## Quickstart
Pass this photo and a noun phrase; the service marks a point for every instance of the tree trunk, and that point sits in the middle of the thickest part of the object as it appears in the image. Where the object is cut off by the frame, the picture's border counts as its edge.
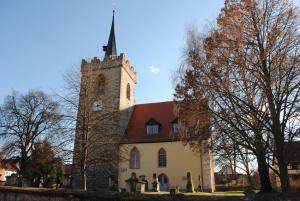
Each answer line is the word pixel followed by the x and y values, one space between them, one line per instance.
pixel 281 160
pixel 22 171
pixel 83 178
pixel 250 180
pixel 22 167
pixel 264 176
pixel 23 163
pixel 279 139
pixel 84 181
pixel 284 177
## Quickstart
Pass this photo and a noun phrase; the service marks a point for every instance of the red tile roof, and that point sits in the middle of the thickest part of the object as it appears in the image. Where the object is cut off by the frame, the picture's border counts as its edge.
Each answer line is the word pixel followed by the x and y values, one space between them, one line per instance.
pixel 163 113
pixel 8 165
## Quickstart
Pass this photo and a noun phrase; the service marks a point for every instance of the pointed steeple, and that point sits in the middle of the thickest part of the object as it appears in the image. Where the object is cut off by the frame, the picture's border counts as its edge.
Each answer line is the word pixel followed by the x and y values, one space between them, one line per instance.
pixel 111 49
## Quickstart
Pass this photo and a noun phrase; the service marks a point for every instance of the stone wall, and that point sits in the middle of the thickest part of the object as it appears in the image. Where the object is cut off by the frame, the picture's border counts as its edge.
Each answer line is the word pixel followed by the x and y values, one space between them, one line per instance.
pixel 35 194
pixel 208 166
pixel 104 82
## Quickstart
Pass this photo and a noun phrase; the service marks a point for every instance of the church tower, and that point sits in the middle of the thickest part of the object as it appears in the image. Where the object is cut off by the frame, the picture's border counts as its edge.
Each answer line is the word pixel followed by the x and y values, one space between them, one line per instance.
pixel 107 97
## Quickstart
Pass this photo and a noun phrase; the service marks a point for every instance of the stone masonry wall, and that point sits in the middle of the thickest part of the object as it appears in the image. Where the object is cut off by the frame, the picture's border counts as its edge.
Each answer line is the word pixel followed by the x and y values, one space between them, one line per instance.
pixel 208 166
pixel 107 125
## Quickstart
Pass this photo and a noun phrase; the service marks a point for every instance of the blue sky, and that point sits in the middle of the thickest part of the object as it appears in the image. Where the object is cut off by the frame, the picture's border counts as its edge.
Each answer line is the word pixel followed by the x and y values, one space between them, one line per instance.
pixel 42 39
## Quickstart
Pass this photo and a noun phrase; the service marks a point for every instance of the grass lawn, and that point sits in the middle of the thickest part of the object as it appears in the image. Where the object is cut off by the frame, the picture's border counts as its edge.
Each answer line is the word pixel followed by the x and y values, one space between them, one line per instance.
pixel 25 188
pixel 225 193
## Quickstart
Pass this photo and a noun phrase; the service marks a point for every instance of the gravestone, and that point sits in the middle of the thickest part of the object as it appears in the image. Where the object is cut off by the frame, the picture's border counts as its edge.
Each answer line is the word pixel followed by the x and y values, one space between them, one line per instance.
pixel 189 184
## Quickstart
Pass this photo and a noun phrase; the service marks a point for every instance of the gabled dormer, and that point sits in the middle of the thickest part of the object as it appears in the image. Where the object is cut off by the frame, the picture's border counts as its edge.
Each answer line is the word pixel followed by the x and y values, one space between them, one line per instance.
pixel 152 127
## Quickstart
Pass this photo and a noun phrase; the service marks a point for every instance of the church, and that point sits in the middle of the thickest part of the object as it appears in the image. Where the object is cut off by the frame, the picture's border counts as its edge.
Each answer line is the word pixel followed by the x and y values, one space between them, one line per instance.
pixel 118 141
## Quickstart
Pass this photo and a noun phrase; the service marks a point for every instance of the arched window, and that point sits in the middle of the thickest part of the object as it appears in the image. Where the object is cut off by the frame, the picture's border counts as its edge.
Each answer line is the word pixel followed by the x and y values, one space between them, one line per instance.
pixel 134 158
pixel 128 91
pixel 162 158
pixel 101 84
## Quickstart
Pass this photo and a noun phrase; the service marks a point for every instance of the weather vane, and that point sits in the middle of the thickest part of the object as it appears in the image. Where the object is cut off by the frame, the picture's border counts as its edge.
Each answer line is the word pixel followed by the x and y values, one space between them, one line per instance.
pixel 114 4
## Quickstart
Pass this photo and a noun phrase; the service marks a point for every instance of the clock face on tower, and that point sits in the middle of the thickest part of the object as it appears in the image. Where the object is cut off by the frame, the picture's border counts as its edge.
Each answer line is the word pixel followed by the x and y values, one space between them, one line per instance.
pixel 97 106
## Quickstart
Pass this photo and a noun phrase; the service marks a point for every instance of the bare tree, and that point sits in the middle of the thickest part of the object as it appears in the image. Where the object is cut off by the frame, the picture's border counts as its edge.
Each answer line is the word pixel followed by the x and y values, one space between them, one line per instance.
pixel 265 42
pixel 26 119
pixel 95 146
pixel 226 111
pixel 248 71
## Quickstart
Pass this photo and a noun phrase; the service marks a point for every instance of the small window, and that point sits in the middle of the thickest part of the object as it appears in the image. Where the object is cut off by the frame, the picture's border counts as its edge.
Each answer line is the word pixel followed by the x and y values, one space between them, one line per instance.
pixel 175 126
pixel 128 91
pixel 101 84
pixel 162 158
pixel 152 127
pixel 134 158
pixel 295 166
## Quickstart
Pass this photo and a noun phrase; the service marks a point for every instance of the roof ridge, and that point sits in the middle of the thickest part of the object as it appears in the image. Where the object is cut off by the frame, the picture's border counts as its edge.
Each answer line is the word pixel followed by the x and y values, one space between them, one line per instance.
pixel 155 103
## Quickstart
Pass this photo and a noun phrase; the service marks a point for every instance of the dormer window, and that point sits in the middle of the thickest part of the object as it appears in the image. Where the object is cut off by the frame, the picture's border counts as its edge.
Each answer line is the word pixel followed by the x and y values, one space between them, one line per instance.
pixel 175 126
pixel 152 127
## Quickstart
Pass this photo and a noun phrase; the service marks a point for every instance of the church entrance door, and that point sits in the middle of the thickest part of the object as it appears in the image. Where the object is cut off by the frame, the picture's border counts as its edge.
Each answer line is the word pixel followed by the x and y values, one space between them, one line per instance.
pixel 163 182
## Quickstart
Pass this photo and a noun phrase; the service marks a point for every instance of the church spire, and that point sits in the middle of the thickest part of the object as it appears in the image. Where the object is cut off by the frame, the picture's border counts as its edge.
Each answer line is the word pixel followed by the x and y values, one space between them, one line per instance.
pixel 110 49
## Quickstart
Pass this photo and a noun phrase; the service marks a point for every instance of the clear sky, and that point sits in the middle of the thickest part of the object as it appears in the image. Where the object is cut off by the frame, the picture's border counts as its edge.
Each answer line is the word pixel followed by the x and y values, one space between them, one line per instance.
pixel 41 39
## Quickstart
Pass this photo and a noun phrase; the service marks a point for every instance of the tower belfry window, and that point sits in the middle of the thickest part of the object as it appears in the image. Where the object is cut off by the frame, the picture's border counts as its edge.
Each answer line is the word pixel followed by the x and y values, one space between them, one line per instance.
pixel 101 84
